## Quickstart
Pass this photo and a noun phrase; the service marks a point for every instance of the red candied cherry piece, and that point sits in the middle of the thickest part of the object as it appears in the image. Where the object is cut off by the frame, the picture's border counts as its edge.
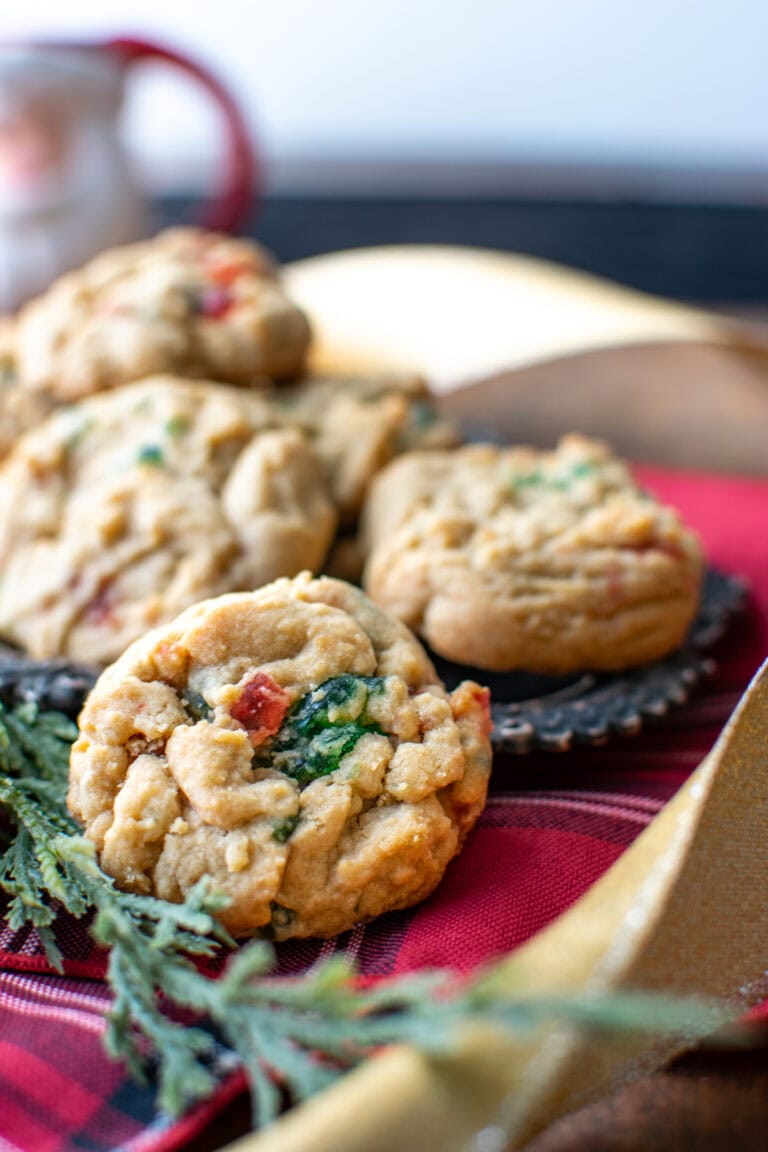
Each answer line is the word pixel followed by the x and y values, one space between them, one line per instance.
pixel 101 609
pixel 227 273
pixel 260 708
pixel 214 303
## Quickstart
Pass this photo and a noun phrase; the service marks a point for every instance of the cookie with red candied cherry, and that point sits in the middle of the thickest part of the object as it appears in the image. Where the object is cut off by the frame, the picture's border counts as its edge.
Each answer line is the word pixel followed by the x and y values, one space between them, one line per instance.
pixel 295 745
pixel 118 512
pixel 510 558
pixel 196 304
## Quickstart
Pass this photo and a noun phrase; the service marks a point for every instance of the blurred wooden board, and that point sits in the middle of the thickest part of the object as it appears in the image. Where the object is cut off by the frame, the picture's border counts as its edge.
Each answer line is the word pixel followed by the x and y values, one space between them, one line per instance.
pixel 526 350
pixel 698 406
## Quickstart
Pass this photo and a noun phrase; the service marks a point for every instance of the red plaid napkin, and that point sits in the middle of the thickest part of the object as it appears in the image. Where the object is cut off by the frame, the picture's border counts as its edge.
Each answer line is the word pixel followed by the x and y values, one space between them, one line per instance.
pixel 552 826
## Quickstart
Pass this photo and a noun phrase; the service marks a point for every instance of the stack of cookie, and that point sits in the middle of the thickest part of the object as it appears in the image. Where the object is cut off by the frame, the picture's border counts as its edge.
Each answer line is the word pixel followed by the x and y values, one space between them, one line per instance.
pixel 171 480
pixel 162 444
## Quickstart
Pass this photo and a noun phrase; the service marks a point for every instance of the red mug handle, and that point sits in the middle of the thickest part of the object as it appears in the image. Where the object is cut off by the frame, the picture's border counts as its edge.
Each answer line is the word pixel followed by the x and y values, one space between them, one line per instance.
pixel 232 204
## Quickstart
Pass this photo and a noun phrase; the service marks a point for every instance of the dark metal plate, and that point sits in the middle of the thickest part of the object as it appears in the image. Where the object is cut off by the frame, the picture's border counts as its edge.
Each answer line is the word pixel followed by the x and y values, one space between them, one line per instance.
pixel 547 712
pixel 528 711
pixel 53 684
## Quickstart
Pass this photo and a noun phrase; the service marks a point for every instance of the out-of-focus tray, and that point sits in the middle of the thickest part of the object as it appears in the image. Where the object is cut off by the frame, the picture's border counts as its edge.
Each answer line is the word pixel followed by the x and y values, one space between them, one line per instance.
pixel 547 712
pixel 528 711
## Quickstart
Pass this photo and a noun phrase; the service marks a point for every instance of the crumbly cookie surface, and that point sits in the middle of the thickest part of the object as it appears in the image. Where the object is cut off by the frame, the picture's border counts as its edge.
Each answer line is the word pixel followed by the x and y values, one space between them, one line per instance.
pixel 118 512
pixel 295 745
pixel 20 408
pixel 512 558
pixel 358 424
pixel 194 303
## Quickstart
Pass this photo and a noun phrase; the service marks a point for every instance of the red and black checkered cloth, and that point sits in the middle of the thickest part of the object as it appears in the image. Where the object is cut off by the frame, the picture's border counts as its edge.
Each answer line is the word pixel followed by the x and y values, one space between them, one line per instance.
pixel 552 826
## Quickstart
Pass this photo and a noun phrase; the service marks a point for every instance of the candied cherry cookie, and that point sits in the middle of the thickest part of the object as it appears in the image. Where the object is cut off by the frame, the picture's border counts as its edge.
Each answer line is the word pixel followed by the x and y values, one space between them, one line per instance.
pixel 118 512
pixel 20 407
pixel 194 303
pixel 508 558
pixel 295 745
pixel 358 424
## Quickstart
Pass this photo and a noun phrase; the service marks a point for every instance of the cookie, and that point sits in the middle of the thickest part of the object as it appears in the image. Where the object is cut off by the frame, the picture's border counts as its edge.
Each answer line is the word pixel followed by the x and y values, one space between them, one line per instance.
pixel 295 745
pixel 508 558
pixel 358 424
pixel 118 512
pixel 346 558
pixel 20 408
pixel 194 303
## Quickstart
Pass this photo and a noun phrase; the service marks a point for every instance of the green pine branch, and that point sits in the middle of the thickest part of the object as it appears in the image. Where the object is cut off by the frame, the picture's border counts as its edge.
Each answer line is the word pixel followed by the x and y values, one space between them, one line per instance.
pixel 293 1037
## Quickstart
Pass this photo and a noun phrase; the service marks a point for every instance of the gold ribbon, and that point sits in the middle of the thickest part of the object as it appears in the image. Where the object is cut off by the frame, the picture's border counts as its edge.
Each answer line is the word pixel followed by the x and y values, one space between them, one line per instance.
pixel 526 350
pixel 682 912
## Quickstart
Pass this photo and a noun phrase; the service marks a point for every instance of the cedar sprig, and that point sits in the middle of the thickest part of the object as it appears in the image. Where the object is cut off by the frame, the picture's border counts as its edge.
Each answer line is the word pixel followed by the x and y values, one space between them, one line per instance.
pixel 187 1026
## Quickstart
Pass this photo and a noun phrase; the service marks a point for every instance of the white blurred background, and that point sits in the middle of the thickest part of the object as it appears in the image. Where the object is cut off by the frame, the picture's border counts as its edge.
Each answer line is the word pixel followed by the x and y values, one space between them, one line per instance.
pixel 662 97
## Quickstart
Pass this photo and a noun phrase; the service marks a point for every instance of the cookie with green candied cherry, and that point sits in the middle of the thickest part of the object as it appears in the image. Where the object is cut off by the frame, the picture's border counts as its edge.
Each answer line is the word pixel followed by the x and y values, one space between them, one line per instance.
pixel 357 424
pixel 118 512
pixel 295 745
pixel 512 558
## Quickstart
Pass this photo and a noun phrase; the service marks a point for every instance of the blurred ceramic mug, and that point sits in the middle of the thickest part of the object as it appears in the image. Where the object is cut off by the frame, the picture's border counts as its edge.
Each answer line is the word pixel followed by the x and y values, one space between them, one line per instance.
pixel 66 191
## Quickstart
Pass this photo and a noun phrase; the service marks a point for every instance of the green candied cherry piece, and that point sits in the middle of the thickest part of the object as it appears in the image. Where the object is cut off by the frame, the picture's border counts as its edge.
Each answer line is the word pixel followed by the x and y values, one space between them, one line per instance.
pixel 197 706
pixel 337 701
pixel 320 755
pixel 322 728
pixel 152 455
pixel 529 480
pixel 285 829
pixel 562 483
pixel 177 426
pixel 582 469
pixel 575 472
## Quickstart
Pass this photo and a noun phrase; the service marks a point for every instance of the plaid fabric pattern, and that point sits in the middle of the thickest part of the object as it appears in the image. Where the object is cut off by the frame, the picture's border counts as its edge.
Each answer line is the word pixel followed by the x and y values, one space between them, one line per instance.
pixel 552 826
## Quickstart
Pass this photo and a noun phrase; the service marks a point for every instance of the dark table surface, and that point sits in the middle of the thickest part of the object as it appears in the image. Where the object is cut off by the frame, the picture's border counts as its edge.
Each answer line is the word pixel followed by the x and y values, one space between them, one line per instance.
pixel 704 252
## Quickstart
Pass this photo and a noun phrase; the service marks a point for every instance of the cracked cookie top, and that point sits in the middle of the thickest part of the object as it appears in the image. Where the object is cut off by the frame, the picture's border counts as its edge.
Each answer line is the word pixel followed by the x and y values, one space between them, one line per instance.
pixel 358 424
pixel 118 512
pixel 510 558
pixel 294 744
